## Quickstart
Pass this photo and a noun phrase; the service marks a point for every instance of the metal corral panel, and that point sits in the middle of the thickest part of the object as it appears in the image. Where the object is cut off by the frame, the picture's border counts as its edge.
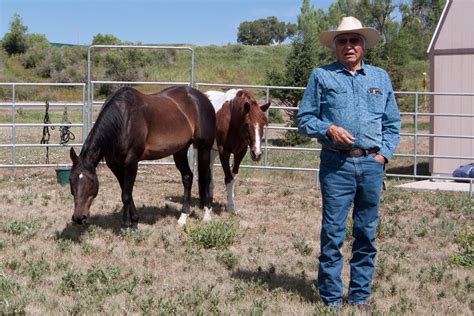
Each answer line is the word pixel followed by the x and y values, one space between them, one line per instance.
pixel 452 68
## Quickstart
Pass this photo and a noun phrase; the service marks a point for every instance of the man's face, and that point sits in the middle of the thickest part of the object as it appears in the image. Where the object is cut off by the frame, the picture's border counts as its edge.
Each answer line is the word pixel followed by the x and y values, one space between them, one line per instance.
pixel 349 49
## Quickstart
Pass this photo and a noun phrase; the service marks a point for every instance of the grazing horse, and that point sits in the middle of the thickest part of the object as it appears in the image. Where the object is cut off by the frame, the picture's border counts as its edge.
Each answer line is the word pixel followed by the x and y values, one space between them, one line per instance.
pixel 239 124
pixel 132 127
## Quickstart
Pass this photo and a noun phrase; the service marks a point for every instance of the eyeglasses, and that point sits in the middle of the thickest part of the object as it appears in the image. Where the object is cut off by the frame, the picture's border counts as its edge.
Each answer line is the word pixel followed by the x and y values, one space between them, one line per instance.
pixel 352 40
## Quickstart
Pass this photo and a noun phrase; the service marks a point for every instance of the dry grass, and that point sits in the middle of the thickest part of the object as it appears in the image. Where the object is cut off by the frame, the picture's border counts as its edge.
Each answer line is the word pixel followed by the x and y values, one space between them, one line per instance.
pixel 50 266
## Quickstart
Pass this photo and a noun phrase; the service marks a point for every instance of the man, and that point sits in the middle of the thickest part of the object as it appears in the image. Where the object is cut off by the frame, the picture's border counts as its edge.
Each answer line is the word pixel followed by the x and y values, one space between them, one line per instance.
pixel 350 108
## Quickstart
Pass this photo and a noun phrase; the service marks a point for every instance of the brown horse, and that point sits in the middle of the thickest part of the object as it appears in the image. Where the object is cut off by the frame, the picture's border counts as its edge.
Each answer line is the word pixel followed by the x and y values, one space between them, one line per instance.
pixel 240 122
pixel 132 127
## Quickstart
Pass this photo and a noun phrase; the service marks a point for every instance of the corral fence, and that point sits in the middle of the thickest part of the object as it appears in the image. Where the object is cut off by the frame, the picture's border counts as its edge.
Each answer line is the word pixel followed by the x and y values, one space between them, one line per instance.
pixel 20 132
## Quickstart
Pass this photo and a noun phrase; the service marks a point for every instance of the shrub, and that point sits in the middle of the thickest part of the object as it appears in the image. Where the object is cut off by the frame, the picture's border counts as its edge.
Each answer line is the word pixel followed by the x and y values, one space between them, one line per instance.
pixel 465 241
pixel 228 259
pixel 216 234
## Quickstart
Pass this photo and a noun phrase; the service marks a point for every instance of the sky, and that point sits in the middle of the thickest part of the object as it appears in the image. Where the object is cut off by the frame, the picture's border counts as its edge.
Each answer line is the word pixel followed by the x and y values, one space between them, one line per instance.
pixel 195 22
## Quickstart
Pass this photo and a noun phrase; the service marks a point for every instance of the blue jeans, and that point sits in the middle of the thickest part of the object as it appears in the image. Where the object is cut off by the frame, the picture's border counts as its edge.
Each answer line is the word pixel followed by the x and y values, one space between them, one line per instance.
pixel 347 181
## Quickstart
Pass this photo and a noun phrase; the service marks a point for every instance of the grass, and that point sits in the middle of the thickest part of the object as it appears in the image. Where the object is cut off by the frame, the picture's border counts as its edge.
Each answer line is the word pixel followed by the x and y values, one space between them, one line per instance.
pixel 262 261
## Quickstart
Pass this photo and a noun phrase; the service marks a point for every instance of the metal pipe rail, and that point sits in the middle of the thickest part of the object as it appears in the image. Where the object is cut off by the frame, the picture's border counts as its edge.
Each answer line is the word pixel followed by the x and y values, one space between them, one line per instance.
pixel 14 105
pixel 88 105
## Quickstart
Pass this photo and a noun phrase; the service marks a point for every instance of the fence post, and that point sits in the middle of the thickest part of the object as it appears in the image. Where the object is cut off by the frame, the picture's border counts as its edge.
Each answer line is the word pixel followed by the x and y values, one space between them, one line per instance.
pixel 265 155
pixel 415 137
pixel 13 125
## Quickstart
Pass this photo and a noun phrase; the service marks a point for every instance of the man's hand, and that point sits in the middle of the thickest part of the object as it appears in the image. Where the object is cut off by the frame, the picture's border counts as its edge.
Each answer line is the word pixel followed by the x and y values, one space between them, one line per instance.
pixel 380 158
pixel 340 136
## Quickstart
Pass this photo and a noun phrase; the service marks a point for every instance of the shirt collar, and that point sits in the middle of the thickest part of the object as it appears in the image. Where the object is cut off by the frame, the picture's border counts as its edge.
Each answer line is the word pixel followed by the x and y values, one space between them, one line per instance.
pixel 341 68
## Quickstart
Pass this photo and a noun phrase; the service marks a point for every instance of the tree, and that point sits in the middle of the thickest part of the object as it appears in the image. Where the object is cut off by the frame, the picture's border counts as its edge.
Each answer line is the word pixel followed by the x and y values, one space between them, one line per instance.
pixel 15 42
pixel 264 31
pixel 105 39
pixel 418 24
pixel 306 53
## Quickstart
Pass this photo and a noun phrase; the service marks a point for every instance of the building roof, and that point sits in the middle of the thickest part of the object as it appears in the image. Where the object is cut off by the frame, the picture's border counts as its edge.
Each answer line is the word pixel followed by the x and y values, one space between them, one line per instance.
pixel 454 29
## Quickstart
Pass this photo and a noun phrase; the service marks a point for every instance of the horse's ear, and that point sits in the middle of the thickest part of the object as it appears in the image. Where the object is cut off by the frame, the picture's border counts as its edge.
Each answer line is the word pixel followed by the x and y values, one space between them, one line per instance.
pixel 264 107
pixel 73 155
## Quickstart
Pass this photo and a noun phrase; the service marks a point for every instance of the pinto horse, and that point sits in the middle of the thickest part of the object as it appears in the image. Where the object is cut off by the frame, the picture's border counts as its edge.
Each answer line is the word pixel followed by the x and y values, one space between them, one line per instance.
pixel 239 125
pixel 132 127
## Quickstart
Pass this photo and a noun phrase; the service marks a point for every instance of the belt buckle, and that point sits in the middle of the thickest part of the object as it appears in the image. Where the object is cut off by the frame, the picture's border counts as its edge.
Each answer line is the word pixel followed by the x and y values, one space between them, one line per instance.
pixel 357 152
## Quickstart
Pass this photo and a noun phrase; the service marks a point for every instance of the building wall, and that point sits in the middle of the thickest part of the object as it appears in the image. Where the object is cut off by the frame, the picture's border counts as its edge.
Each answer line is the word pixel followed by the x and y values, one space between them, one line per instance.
pixel 451 76
pixel 452 70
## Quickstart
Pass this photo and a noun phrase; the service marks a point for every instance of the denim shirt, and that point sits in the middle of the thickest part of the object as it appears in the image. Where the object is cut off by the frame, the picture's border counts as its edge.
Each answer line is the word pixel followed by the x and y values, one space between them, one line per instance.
pixel 363 104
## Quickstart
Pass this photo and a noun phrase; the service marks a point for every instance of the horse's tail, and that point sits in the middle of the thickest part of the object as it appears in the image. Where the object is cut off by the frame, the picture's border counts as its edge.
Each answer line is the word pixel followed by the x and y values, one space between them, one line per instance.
pixel 206 119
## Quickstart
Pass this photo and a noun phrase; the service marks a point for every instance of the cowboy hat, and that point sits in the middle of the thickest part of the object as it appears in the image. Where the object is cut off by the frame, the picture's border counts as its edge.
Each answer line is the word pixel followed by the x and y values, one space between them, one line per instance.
pixel 350 24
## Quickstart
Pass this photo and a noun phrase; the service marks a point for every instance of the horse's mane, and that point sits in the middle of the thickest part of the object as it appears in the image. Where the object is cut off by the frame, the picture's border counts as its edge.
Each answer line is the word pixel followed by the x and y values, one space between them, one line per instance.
pixel 104 133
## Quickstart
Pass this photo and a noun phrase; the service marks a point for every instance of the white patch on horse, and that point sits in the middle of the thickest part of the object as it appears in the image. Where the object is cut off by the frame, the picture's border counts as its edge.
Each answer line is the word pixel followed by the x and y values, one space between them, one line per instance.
pixel 81 176
pixel 182 219
pixel 257 139
pixel 230 195
pixel 207 214
pixel 218 98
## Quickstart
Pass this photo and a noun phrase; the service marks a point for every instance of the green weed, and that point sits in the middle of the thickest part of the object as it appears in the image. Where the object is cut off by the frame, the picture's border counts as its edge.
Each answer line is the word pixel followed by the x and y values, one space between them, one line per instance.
pixel 228 259
pixel 88 248
pixel 20 228
pixel 465 241
pixel 64 245
pixel 37 268
pixel 302 246
pixel 200 301
pixel 217 234
pixel 434 274
pixel 10 301
pixel 12 264
pixel 422 229
pixel 27 197
pixel 136 236
pixel 96 283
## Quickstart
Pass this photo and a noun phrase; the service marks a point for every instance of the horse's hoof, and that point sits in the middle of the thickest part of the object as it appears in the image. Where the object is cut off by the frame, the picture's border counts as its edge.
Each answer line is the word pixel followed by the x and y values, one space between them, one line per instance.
pixel 182 219
pixel 132 226
pixel 235 212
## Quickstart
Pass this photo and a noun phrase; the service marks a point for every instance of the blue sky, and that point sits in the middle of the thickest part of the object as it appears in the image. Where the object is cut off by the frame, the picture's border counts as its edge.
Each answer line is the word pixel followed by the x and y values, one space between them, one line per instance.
pixel 197 22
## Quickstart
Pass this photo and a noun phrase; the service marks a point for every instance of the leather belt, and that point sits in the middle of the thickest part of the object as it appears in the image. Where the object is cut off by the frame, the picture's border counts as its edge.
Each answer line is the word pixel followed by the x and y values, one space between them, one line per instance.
pixel 355 152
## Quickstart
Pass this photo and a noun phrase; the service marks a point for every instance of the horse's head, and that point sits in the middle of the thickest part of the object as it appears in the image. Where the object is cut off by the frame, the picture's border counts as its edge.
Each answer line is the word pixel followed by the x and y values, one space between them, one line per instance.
pixel 84 187
pixel 254 122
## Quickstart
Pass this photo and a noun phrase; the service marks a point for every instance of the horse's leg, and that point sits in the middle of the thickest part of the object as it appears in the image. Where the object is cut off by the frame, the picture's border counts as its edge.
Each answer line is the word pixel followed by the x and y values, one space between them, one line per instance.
pixel 238 157
pixel 192 154
pixel 130 216
pixel 228 179
pixel 118 173
pixel 214 154
pixel 204 180
pixel 181 162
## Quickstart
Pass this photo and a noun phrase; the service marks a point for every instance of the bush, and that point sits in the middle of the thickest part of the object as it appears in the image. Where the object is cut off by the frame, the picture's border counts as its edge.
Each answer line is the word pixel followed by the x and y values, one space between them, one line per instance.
pixel 216 234
pixel 465 241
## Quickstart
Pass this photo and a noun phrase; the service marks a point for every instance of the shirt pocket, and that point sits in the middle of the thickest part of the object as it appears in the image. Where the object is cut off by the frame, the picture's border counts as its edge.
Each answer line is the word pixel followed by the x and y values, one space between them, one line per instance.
pixel 375 103
pixel 336 97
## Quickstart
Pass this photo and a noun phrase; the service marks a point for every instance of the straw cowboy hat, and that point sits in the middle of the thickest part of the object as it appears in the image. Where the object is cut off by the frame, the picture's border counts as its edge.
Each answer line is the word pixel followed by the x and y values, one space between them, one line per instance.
pixel 350 24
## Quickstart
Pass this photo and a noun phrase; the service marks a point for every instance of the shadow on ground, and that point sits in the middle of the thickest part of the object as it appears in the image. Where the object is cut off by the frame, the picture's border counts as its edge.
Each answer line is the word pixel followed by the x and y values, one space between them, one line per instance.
pixel 299 285
pixel 113 221
pixel 148 215
pixel 421 170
